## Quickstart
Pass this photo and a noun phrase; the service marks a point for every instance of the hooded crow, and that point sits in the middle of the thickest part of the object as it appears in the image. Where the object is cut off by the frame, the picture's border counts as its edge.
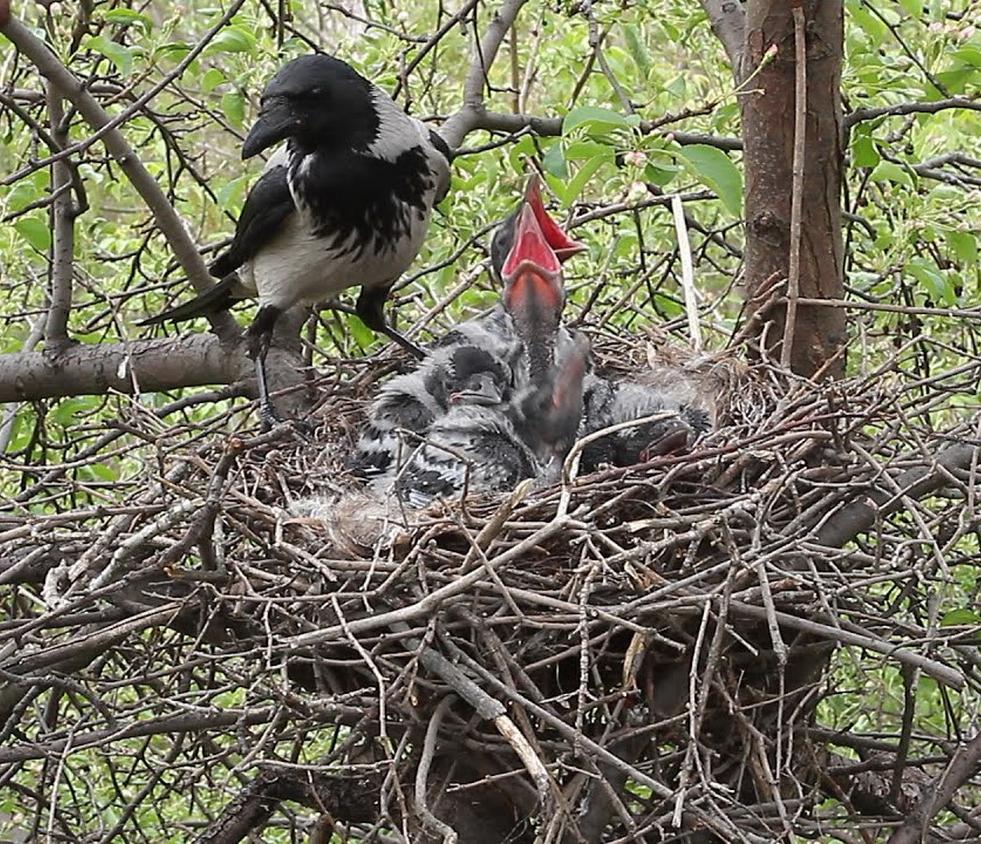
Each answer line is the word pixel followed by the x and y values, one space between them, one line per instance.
pixel 485 445
pixel 346 202
pixel 498 342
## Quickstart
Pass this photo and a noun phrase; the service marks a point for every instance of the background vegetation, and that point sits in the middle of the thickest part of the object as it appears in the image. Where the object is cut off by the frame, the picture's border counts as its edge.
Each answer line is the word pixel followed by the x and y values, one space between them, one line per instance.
pixel 643 95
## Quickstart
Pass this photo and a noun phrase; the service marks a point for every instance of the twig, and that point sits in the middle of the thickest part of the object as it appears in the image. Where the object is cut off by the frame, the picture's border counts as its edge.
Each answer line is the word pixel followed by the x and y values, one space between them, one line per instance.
pixel 687 273
pixel 949 676
pixel 862 114
pixel 422 772
pixel 797 183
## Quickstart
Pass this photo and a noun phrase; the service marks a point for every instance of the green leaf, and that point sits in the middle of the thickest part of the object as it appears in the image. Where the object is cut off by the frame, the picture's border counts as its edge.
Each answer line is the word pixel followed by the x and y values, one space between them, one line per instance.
pixel 554 162
pixel 233 106
pixel 173 51
pixel 638 51
pixel 960 616
pixel 516 152
pixel 888 171
pixel 232 39
pixel 579 150
pixel 956 81
pixel 103 472
pixel 578 183
pixel 968 55
pixel 35 231
pixel 714 169
pixel 912 7
pixel 875 29
pixel 865 153
pixel 678 87
pixel 361 334
pixel 231 193
pixel 124 17
pixel 669 307
pixel 212 78
pixel 22 194
pixel 119 55
pixel 937 286
pixel 661 174
pixel 964 245
pixel 593 116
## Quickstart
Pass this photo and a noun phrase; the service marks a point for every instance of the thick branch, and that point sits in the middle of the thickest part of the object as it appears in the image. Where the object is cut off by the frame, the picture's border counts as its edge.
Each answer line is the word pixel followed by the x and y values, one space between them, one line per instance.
pixel 728 23
pixel 963 765
pixel 63 232
pixel 163 212
pixel 467 118
pixel 859 516
pixel 190 360
pixel 494 121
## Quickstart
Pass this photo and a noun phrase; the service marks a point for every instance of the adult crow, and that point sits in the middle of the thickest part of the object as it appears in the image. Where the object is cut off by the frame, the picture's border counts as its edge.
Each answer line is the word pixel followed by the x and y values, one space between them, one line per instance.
pixel 346 202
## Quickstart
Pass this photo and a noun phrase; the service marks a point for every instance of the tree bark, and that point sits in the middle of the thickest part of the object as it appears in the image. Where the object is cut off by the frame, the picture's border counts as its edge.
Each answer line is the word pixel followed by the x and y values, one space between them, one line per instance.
pixel 190 360
pixel 767 110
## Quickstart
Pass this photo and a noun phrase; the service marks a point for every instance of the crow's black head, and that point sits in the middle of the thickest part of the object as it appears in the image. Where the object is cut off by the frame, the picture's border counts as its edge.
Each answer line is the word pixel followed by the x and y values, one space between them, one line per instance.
pixel 316 101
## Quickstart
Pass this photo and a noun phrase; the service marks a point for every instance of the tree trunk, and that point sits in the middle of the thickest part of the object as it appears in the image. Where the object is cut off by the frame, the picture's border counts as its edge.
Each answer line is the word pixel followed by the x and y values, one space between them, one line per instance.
pixel 768 138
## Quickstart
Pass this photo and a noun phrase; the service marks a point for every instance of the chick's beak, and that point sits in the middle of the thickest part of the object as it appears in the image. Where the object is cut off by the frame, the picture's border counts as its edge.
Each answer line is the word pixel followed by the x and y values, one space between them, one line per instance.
pixel 277 121
pixel 532 272
pixel 563 245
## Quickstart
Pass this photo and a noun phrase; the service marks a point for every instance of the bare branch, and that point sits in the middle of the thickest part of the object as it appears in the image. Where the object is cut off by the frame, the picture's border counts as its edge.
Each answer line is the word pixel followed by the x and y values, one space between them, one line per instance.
pixel 862 114
pixel 187 361
pixel 467 118
pixel 797 183
pixel 859 516
pixel 962 766
pixel 495 121
pixel 63 233
pixel 163 212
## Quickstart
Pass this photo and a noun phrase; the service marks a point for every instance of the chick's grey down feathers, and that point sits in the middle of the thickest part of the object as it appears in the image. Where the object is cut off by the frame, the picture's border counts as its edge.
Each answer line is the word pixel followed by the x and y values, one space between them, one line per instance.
pixel 409 404
pixel 413 401
pixel 481 446
pixel 607 403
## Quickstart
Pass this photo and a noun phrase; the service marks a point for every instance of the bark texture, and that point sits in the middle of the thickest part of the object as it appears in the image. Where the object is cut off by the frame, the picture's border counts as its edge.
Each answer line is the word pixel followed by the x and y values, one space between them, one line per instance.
pixel 768 139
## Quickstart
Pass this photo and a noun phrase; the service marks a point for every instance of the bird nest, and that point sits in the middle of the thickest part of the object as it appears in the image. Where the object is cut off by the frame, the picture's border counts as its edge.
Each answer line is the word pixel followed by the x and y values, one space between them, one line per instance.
pixel 634 654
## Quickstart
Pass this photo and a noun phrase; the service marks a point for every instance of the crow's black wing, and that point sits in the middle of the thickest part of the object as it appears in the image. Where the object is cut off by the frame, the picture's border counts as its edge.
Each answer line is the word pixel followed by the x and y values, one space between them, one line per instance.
pixel 267 206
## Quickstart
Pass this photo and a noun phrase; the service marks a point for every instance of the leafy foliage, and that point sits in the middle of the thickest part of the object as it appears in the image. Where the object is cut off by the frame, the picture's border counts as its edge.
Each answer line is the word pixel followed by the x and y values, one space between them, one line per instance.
pixel 912 232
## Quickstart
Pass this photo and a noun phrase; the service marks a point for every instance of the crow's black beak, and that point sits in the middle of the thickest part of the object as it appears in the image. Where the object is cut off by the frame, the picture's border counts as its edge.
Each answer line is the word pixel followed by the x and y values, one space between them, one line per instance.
pixel 277 121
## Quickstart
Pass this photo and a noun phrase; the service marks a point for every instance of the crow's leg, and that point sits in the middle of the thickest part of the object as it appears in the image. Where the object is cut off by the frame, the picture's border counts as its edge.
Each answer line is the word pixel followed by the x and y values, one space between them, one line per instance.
pixel 370 308
pixel 259 338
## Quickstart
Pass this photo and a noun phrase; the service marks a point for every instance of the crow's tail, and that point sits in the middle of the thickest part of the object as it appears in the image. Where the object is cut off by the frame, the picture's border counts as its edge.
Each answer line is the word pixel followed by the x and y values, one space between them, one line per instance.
pixel 218 298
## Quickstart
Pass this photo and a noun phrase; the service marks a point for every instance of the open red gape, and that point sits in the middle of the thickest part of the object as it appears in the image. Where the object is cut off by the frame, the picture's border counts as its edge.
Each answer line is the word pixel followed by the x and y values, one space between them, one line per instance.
pixel 532 271
pixel 563 245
